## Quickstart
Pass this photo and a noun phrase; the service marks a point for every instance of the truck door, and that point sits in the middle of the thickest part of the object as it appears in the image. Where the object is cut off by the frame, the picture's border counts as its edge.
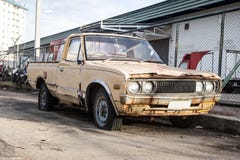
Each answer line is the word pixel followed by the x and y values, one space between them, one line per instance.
pixel 68 72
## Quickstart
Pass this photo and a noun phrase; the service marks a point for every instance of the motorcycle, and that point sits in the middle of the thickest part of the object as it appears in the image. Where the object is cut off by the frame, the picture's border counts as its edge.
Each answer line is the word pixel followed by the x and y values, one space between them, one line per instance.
pixel 21 78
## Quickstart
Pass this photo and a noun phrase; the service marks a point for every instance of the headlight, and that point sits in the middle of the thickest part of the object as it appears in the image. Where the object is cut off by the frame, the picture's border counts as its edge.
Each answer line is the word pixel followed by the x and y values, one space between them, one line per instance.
pixel 199 86
pixel 147 87
pixel 209 86
pixel 133 87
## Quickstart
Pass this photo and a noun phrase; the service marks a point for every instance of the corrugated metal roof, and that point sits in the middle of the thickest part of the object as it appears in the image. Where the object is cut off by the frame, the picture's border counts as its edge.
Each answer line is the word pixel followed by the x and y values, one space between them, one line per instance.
pixel 48 39
pixel 162 9
pixel 14 3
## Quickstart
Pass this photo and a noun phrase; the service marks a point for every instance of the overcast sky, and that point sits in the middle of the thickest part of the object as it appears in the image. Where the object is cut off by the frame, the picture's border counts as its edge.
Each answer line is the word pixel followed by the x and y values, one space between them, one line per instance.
pixel 61 15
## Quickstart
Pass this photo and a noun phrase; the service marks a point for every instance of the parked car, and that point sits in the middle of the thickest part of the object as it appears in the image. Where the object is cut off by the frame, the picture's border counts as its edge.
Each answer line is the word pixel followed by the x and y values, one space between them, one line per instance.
pixel 113 76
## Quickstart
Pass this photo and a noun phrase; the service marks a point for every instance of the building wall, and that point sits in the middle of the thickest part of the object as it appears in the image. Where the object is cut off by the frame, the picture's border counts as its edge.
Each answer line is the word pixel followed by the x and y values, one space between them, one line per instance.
pixel 12 25
pixel 204 34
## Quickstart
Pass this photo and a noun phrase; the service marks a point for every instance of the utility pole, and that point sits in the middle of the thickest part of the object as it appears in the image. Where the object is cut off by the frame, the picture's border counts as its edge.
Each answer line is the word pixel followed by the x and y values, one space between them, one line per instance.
pixel 16 47
pixel 17 58
pixel 37 25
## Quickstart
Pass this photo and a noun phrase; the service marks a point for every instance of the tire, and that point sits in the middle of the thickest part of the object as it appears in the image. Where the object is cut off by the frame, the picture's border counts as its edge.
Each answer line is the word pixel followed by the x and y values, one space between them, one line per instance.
pixel 103 112
pixel 45 99
pixel 183 121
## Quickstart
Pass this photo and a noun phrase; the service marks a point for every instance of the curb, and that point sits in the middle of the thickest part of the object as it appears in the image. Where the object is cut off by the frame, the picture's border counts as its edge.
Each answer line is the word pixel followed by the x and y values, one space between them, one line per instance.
pixel 221 123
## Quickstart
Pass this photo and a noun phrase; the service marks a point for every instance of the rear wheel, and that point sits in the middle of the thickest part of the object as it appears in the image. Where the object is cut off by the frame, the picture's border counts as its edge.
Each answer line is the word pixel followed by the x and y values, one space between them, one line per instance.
pixel 103 112
pixel 45 99
pixel 183 121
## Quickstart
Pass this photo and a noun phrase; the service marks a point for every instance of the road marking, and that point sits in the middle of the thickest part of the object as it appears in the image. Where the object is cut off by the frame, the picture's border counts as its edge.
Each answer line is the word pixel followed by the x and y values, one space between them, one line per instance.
pixel 21 99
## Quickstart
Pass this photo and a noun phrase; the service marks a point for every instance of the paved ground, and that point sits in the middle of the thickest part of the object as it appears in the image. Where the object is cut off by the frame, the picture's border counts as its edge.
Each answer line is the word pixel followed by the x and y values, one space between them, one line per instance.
pixel 67 133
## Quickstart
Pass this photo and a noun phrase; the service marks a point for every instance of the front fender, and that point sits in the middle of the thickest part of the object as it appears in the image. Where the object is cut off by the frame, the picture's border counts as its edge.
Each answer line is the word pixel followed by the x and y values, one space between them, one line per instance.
pixel 107 89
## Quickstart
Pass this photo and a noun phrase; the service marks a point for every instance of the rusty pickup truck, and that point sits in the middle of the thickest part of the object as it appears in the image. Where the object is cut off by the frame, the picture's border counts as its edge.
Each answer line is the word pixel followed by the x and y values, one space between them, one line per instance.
pixel 113 76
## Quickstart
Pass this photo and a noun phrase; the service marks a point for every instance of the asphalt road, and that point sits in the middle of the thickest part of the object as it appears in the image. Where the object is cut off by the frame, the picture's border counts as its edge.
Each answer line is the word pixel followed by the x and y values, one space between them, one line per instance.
pixel 66 133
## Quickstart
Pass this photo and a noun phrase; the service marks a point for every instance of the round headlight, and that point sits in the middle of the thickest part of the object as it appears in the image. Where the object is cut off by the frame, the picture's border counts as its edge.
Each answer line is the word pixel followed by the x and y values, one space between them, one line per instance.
pixel 133 87
pixel 147 87
pixel 199 86
pixel 209 86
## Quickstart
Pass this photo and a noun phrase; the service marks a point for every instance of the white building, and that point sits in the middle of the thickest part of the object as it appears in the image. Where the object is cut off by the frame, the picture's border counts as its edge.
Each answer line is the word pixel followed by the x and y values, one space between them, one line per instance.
pixel 12 24
pixel 203 34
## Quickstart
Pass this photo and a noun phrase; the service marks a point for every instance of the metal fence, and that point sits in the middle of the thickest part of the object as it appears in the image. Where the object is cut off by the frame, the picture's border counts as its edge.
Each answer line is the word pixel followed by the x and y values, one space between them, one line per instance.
pixel 12 64
pixel 213 43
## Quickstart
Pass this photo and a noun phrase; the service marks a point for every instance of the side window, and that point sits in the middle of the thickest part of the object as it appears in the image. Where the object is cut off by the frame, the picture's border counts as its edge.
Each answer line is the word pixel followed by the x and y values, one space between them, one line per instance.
pixel 59 53
pixel 73 49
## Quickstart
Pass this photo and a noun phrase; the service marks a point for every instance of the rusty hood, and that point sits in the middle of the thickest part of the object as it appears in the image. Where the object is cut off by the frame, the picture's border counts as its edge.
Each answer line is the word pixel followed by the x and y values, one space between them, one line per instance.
pixel 152 70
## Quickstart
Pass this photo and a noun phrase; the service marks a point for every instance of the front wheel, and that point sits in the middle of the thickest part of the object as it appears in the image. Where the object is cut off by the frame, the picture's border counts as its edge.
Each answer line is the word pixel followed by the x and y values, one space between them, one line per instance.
pixel 103 112
pixel 183 121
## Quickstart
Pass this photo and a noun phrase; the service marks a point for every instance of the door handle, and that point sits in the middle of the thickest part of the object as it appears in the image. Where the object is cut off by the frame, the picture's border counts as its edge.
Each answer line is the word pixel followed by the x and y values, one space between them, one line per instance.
pixel 61 69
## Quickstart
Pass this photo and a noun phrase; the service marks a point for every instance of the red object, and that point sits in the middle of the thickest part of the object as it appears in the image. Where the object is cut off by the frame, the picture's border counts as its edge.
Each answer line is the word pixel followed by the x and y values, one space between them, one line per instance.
pixel 54 47
pixel 193 59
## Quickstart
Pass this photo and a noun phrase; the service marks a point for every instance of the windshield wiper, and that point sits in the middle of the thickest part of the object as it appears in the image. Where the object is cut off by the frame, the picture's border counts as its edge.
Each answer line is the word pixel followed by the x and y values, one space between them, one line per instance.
pixel 150 61
pixel 123 59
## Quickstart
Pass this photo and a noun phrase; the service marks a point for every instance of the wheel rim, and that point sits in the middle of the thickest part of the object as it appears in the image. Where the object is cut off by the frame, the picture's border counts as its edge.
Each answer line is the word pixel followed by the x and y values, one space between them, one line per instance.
pixel 102 112
pixel 43 98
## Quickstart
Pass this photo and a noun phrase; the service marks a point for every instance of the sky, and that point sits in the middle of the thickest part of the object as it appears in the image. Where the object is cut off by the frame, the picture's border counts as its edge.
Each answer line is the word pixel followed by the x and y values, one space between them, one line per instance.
pixel 61 15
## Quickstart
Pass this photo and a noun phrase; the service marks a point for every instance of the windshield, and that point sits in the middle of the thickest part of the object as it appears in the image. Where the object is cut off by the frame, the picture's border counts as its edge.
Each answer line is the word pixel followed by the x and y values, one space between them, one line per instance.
pixel 119 48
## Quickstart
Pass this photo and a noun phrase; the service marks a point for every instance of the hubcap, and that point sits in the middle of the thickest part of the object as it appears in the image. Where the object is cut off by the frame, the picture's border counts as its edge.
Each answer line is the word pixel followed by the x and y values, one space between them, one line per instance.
pixel 102 112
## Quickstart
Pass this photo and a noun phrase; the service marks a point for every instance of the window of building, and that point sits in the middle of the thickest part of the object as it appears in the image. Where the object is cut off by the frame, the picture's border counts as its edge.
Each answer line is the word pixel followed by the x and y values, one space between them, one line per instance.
pixel 186 26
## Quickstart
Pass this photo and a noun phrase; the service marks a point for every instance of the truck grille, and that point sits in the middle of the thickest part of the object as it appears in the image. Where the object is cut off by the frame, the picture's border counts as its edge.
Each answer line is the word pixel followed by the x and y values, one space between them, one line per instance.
pixel 175 87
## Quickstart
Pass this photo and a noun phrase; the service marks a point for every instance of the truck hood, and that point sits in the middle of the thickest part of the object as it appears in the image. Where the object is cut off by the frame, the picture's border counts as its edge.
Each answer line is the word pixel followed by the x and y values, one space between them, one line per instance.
pixel 152 70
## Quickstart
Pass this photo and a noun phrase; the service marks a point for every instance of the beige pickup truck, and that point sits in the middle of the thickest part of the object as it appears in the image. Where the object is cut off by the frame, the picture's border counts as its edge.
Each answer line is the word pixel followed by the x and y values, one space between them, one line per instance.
pixel 113 76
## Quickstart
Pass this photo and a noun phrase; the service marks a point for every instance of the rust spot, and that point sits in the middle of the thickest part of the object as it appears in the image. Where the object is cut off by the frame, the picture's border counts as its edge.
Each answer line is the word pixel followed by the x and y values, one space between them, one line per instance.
pixel 116 86
pixel 182 76
pixel 45 75
pixel 150 99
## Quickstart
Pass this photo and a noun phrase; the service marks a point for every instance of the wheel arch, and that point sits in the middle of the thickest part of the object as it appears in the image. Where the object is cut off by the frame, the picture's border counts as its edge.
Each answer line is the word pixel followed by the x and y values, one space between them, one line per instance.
pixel 91 90
pixel 40 81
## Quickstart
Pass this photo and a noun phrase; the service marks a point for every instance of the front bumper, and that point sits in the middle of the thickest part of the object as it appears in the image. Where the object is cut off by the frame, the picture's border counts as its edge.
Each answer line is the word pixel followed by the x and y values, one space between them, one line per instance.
pixel 158 105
